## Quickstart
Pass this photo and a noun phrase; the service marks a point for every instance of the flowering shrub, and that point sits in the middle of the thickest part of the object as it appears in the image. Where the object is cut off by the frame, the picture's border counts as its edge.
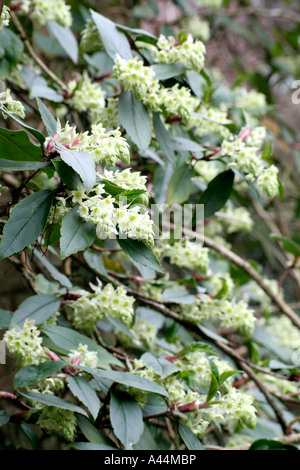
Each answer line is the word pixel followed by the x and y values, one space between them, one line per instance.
pixel 129 328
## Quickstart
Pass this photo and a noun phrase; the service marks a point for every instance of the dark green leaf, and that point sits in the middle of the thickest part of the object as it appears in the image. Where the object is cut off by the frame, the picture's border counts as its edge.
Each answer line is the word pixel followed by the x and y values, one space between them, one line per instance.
pixel 4 319
pixel 178 296
pixel 66 39
pixel 16 146
pixel 269 444
pixel 126 378
pixel 14 165
pixel 67 339
pixel 189 438
pixel 146 441
pixel 166 71
pixel 26 222
pixel 225 375
pixel 114 41
pixel 81 162
pixel 52 400
pixel 4 418
pixel 76 233
pixel 183 144
pixel 288 244
pixel 217 193
pixel 135 119
pixel 29 375
pixel 163 138
pixel 37 134
pixel 90 431
pixel 91 446
pixel 126 418
pixel 37 307
pixel 47 117
pixel 140 253
pixel 94 260
pixel 53 271
pixel 30 434
pixel 180 185
pixel 68 176
pixel 82 390
pixel 215 381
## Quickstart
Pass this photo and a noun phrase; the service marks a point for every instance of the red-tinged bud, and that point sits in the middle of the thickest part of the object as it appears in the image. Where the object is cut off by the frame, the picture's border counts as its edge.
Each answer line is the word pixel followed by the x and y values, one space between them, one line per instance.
pixel 7 396
pixel 77 360
pixel 245 134
pixel 171 358
pixel 53 356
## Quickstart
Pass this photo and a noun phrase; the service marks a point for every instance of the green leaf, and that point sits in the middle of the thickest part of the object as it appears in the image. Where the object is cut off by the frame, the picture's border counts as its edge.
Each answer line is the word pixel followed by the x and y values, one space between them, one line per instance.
pixel 162 366
pixel 4 418
pixel 126 378
pixel 17 146
pixel 225 375
pixel 53 271
pixel 82 163
pixel 215 381
pixel 26 222
pixel 76 233
pixel 197 346
pixel 288 244
pixel 146 441
pixel 82 390
pixel 163 138
pixel 37 307
pixel 126 418
pixel 29 375
pixel 217 193
pixel 66 39
pixel 180 185
pixel 30 434
pixel 11 49
pixel 52 400
pixel 140 253
pixel 94 260
pixel 91 446
pixel 90 431
pixel 37 134
pixel 4 319
pixel 47 117
pixel 166 71
pixel 135 119
pixel 14 165
pixel 114 41
pixel 189 438
pixel 67 174
pixel 67 339
pixel 269 444
pixel 178 296
pixel 183 144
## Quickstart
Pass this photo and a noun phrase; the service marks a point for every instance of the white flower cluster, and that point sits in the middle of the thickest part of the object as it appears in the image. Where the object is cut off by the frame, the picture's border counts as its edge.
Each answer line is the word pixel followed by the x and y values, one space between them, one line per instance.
pixel 221 284
pixel 25 343
pixel 236 219
pixel 85 94
pixel 209 120
pixel 11 105
pixel 278 385
pixel 126 179
pixel 57 420
pixel 110 220
pixel 283 329
pixel 206 170
pixel 88 309
pixel 187 254
pixel 107 116
pixel 87 358
pixel 230 314
pixel 250 100
pixel 232 408
pixel 248 159
pixel 198 28
pixel 190 52
pixel 43 11
pixel 253 293
pixel 134 76
pixel 90 38
pixel 5 17
pixel 104 147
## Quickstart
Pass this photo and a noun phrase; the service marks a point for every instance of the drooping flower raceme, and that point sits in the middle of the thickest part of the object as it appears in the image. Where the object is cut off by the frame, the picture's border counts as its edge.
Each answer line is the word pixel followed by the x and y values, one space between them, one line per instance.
pixel 85 94
pixel 88 309
pixel 90 38
pixel 5 16
pixel 12 106
pixel 187 254
pixel 25 343
pixel 189 52
pixel 43 11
